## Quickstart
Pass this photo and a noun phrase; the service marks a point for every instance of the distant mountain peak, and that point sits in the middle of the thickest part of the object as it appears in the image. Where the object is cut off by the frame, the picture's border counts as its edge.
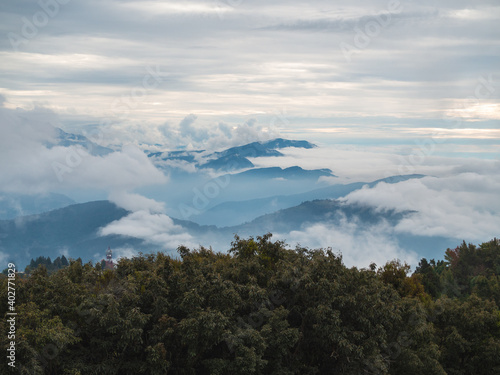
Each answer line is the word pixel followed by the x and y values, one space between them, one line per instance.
pixel 290 173
pixel 252 150
pixel 233 158
pixel 278 143
pixel 69 139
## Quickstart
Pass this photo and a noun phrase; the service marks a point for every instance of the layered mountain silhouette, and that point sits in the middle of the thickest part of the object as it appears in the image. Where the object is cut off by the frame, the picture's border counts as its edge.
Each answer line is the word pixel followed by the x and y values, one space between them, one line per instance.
pixel 226 213
pixel 74 230
pixel 233 158
pixel 69 139
pixel 284 200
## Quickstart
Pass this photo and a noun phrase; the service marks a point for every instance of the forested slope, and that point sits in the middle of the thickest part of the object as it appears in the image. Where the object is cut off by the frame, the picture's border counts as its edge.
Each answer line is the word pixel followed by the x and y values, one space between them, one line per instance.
pixel 261 309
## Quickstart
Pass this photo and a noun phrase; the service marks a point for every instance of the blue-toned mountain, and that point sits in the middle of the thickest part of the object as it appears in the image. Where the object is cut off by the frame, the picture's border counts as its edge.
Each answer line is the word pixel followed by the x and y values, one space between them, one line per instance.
pixel 69 139
pixel 231 159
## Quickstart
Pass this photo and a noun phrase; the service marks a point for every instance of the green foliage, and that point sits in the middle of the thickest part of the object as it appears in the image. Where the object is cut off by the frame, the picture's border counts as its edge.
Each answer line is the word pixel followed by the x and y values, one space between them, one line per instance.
pixel 261 309
pixel 430 277
pixel 395 274
pixel 467 269
pixel 468 334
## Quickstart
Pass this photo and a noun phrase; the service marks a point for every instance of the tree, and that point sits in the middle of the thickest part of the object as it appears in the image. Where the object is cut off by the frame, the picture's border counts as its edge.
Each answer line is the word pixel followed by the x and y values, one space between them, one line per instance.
pixel 468 334
pixel 261 309
pixel 430 277
pixel 396 274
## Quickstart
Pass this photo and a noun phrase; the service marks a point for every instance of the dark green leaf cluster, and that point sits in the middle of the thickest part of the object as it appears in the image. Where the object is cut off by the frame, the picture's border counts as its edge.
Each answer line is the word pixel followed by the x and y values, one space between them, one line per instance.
pixel 466 270
pixel 260 309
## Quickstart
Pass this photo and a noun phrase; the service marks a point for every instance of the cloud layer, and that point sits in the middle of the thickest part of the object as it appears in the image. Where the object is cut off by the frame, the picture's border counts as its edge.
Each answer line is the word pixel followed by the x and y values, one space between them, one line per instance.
pixel 358 246
pixel 29 165
pixel 158 229
pixel 463 206
pixel 148 222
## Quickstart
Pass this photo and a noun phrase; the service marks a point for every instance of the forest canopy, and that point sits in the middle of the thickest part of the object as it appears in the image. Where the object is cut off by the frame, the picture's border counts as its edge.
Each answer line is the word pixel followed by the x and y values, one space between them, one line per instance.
pixel 260 309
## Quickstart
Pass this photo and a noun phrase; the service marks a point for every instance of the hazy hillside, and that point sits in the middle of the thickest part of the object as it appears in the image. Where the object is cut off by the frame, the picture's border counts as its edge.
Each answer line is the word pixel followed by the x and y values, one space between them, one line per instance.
pixel 71 230
pixel 229 213
pixel 13 205
pixel 65 139
pixel 317 211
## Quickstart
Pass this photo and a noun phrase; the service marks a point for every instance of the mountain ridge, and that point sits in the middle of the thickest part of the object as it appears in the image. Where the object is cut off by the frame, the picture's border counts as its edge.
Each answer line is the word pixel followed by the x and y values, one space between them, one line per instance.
pixel 252 208
pixel 233 158
pixel 74 230
pixel 71 139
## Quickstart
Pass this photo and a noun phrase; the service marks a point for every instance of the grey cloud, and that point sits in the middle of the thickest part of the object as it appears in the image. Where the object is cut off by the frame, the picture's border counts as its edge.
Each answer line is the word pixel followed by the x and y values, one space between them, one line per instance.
pixel 135 202
pixel 343 24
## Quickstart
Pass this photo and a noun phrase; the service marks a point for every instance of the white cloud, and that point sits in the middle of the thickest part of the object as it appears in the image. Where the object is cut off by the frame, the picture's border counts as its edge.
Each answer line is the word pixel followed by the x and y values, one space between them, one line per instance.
pixel 354 163
pixel 359 247
pixel 157 229
pixel 196 133
pixel 124 252
pixel 348 163
pixel 118 253
pixel 136 202
pixel 147 222
pixel 29 166
pixel 155 8
pixel 64 251
pixel 193 132
pixel 463 206
pixel 21 130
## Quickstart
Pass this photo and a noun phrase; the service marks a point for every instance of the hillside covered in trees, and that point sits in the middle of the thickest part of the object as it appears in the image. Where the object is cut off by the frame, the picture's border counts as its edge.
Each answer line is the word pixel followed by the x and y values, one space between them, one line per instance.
pixel 261 309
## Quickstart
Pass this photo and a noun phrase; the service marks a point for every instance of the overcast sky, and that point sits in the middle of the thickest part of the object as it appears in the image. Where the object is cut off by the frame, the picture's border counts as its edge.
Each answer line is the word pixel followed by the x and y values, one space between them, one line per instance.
pixel 355 72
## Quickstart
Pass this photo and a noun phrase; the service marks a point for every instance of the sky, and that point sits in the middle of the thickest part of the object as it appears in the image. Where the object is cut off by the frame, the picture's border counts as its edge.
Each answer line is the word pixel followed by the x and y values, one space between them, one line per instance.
pixel 383 87
pixel 365 73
